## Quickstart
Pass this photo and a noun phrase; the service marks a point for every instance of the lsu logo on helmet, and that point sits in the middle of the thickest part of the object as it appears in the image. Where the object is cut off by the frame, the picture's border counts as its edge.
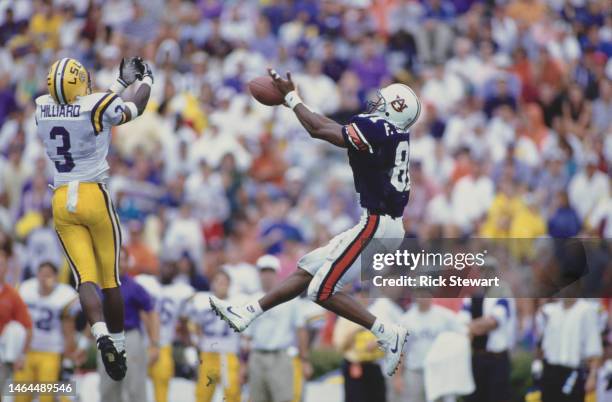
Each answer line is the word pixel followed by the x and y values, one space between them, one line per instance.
pixel 68 79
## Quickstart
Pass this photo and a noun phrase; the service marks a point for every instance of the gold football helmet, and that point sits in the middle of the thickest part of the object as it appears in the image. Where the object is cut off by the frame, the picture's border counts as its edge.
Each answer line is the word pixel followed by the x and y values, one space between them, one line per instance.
pixel 67 80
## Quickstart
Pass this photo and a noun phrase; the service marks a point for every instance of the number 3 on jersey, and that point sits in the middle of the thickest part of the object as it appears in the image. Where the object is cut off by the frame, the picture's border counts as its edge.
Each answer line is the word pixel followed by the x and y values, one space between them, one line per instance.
pixel 63 150
pixel 400 177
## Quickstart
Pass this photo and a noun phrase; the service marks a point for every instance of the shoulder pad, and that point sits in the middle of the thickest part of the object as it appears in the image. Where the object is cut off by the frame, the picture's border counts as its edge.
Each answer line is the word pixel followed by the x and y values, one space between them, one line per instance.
pixel 44 100
pixel 365 131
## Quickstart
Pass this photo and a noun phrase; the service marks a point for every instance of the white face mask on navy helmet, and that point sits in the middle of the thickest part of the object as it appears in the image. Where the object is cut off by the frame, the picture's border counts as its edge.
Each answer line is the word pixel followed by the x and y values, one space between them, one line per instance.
pixel 398 104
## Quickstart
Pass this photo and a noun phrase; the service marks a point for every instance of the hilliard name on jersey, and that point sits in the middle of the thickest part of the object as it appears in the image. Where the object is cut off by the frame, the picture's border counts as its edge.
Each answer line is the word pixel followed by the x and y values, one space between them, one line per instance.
pixel 76 136
pixel 47 111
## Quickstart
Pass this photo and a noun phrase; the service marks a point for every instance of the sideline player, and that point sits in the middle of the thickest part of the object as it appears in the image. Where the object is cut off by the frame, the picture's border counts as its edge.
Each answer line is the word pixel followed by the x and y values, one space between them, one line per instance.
pixel 218 345
pixel 74 124
pixel 15 326
pixel 378 147
pixel 171 299
pixel 53 307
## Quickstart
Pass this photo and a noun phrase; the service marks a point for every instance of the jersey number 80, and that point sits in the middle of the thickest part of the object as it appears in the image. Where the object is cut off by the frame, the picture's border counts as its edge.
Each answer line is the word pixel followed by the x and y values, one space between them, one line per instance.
pixel 400 178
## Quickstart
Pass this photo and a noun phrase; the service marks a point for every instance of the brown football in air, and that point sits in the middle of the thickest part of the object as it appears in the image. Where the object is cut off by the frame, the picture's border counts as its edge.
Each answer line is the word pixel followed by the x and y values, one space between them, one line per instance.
pixel 264 91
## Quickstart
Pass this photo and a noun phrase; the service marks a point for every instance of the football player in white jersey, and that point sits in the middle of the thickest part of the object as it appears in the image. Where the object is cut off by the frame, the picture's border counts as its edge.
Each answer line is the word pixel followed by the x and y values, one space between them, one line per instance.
pixel 74 124
pixel 218 344
pixel 53 307
pixel 171 298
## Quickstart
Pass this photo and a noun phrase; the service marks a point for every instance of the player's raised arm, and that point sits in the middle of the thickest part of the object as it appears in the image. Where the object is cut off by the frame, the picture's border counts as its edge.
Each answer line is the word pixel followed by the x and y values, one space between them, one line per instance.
pixel 318 126
pixel 131 70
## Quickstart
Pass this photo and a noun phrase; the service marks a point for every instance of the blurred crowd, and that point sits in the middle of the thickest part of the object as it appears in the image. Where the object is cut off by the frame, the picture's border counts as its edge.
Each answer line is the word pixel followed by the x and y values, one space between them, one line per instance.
pixel 515 139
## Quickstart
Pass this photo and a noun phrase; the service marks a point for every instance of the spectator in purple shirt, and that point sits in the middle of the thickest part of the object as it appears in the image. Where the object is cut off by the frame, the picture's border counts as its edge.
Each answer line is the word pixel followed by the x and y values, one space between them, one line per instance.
pixel 440 10
pixel 8 103
pixel 564 222
pixel 500 97
pixel 333 66
pixel 9 28
pixel 370 66
pixel 511 167
pixel 210 8
pixel 263 41
pixel 276 13
pixel 435 36
pixel 139 312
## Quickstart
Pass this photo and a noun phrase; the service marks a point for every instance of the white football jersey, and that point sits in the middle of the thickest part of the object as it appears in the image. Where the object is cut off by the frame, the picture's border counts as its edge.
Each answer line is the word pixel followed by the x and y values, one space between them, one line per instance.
pixel 214 333
pixel 47 313
pixel 170 303
pixel 76 136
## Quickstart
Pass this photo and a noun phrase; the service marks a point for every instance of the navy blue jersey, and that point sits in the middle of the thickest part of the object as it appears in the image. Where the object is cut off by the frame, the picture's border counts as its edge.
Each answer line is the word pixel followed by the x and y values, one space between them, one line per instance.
pixel 378 155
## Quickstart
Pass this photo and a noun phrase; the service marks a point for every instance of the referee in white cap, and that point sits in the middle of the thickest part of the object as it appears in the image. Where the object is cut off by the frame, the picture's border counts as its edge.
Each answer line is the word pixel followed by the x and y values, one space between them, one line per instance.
pixel 572 349
pixel 278 344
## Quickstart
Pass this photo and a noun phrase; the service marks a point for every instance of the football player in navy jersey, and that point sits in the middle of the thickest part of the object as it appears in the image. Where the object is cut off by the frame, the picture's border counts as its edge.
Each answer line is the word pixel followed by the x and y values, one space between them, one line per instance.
pixel 378 147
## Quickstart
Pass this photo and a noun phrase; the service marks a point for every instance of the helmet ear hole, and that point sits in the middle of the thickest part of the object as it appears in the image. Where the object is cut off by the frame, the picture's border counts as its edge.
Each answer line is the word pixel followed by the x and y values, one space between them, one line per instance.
pixel 387 114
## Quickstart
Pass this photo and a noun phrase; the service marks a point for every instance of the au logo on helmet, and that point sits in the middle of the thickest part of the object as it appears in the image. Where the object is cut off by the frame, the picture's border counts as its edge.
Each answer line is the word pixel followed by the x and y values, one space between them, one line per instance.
pixel 399 104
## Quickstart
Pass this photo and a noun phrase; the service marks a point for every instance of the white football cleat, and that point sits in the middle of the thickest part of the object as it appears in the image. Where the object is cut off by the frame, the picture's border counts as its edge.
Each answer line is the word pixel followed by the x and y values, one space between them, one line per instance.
pixel 393 344
pixel 238 317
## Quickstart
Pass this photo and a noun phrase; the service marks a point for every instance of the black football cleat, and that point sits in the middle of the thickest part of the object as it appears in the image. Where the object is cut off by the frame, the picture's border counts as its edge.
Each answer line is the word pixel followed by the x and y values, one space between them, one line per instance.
pixel 114 361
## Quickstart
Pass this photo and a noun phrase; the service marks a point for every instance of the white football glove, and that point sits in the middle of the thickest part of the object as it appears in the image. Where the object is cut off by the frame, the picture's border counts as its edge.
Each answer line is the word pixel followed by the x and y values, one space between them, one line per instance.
pixel 130 69
pixel 145 74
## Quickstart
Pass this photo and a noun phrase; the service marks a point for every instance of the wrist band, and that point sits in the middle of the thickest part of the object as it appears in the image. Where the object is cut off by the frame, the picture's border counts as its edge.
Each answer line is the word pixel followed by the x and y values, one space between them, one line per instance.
pixel 132 107
pixel 118 86
pixel 147 80
pixel 293 99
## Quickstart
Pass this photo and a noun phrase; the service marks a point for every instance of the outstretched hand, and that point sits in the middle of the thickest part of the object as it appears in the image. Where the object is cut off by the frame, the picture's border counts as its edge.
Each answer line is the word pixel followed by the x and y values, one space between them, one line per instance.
pixel 283 85
pixel 130 70
pixel 144 70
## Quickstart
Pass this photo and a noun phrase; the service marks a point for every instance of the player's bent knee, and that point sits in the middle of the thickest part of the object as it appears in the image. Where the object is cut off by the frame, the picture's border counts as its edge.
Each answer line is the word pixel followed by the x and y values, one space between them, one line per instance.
pixel 110 283
pixel 315 291
pixel 86 276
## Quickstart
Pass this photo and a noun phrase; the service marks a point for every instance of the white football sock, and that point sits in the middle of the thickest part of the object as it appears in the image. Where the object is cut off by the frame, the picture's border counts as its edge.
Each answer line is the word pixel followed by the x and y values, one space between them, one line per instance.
pixel 380 329
pixel 118 340
pixel 99 329
pixel 254 309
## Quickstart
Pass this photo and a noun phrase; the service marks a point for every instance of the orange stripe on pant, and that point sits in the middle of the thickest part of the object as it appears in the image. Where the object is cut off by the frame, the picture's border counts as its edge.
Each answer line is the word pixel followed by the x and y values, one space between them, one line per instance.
pixel 346 259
